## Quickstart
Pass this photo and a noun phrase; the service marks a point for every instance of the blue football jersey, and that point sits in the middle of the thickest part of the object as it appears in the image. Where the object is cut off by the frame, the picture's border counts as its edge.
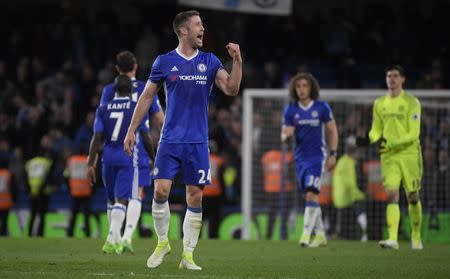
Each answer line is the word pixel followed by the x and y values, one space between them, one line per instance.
pixel 188 83
pixel 108 95
pixel 309 128
pixel 113 120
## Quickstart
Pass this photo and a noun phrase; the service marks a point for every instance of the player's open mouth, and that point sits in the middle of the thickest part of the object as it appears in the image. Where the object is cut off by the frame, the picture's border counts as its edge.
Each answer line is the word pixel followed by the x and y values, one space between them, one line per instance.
pixel 200 37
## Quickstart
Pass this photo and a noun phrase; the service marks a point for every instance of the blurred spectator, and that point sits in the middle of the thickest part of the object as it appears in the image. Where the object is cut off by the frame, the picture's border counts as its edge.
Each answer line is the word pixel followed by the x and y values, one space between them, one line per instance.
pixel 19 181
pixel 443 139
pixel 147 48
pixel 86 89
pixel 213 194
pixel 80 189
pixel 348 75
pixel 3 78
pixel 5 152
pixel 84 134
pixel 433 79
pixel 220 129
pixel 443 180
pixel 17 168
pixel 59 140
pixel 39 172
pixel 278 188
pixel 271 75
pixel 346 192
pixel 7 195
pixel 6 127
pixel 429 177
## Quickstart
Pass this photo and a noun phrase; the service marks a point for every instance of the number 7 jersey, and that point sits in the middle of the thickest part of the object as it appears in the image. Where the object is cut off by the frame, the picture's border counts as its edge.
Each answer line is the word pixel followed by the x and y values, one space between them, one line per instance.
pixel 113 120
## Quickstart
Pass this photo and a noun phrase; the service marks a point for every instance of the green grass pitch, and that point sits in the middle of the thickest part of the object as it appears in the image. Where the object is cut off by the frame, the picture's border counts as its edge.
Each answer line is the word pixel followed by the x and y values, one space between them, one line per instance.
pixel 82 258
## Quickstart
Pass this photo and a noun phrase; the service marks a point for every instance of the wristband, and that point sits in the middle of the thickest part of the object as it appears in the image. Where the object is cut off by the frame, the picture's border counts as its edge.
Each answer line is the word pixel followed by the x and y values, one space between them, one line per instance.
pixel 332 153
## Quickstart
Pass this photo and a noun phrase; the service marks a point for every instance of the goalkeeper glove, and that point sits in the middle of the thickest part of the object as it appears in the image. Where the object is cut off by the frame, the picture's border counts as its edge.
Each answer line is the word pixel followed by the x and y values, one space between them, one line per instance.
pixel 363 141
pixel 384 147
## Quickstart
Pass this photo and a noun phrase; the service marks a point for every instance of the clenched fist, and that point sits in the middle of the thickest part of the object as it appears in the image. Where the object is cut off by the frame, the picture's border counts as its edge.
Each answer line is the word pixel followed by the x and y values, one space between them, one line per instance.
pixel 234 51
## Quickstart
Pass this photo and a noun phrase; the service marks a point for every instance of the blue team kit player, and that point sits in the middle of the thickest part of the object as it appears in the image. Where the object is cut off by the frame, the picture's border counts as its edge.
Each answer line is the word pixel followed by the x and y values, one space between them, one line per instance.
pixel 126 63
pixel 310 121
pixel 188 76
pixel 120 172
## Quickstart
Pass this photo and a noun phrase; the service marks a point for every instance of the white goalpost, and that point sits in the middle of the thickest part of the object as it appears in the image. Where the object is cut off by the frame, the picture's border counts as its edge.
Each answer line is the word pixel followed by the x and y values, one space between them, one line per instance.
pixel 262 114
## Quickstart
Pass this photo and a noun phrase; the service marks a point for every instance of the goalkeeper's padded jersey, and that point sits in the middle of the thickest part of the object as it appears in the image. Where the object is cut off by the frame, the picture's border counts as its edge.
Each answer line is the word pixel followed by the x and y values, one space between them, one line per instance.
pixel 397 120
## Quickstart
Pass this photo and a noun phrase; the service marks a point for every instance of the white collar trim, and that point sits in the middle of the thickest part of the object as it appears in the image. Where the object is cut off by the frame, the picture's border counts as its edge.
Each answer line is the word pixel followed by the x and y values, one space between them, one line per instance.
pixel 186 57
pixel 307 107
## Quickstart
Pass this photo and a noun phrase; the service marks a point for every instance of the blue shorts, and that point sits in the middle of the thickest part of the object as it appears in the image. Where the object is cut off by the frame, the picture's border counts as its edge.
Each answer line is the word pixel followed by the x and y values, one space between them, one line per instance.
pixel 308 175
pixel 121 182
pixel 145 176
pixel 191 158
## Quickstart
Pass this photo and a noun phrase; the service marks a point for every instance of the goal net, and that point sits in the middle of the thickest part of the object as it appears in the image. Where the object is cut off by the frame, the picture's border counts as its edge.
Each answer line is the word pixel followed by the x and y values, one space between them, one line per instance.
pixel 272 204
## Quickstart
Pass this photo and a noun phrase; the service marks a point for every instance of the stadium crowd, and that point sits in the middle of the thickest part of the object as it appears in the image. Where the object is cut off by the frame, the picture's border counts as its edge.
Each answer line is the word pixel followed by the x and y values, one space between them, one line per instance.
pixel 54 65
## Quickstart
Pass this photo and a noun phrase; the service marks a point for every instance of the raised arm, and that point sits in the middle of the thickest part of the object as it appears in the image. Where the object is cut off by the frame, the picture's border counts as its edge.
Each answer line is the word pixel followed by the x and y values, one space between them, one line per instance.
pixel 229 83
pixel 141 109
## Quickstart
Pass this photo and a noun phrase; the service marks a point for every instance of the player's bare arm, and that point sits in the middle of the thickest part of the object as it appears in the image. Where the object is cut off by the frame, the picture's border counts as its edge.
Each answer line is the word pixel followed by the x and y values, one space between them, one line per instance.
pixel 287 132
pixel 332 140
pixel 148 144
pixel 158 118
pixel 94 149
pixel 95 158
pixel 142 107
pixel 229 83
